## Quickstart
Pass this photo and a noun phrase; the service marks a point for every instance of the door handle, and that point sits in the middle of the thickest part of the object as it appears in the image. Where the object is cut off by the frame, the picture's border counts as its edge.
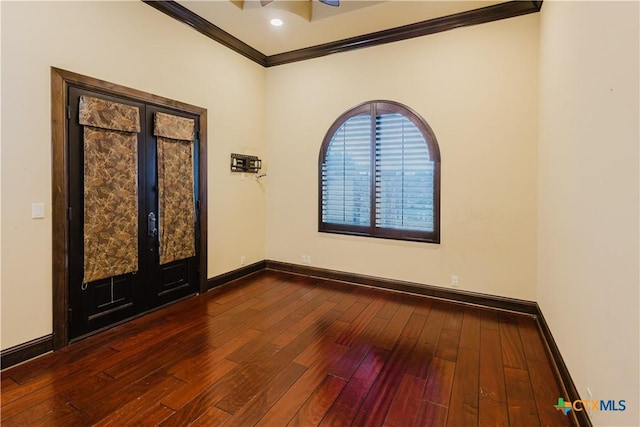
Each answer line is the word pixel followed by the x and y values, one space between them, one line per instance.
pixel 151 225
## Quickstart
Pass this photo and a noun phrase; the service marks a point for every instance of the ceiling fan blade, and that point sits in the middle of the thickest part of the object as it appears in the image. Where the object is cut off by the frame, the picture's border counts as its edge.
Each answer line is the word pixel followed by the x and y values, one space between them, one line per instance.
pixel 334 3
pixel 265 2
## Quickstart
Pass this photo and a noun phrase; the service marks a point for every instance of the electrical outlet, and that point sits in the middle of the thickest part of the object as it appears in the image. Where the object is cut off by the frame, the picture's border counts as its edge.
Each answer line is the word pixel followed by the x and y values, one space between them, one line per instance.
pixel 308 259
pixel 242 260
pixel 454 281
pixel 303 259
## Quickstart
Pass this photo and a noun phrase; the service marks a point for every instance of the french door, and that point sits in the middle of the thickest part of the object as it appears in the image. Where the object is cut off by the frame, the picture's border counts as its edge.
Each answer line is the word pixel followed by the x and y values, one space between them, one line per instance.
pixel 121 226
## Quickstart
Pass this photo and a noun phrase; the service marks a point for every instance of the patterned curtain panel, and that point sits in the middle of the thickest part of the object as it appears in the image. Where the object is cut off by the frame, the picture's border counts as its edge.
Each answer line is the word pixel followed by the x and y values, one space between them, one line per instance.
pixel 110 188
pixel 175 187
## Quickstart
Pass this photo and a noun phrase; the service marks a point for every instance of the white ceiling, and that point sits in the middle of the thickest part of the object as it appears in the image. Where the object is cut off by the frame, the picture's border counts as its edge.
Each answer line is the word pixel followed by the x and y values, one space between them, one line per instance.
pixel 251 24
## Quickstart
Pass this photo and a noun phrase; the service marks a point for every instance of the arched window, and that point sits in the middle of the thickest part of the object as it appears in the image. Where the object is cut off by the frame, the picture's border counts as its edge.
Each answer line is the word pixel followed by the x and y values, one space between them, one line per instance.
pixel 379 174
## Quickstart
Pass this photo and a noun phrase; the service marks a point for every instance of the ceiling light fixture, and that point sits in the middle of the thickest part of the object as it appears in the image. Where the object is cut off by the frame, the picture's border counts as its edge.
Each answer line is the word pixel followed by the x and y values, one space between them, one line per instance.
pixel 276 22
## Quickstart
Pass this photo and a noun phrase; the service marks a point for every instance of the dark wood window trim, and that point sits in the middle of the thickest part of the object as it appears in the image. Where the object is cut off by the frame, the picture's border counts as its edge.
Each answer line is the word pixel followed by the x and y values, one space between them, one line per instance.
pixel 483 15
pixel 60 81
pixel 375 109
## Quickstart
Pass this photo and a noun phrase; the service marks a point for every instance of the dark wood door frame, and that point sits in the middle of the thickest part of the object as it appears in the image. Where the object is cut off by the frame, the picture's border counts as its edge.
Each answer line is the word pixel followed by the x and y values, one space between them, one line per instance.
pixel 60 81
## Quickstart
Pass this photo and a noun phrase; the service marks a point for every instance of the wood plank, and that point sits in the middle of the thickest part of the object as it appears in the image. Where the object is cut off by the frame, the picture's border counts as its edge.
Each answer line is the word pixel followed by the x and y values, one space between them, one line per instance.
pixel 520 400
pixel 531 340
pixel 316 406
pixel 378 401
pixel 346 302
pixel 159 382
pixel 129 413
pixel 50 368
pixel 311 319
pixel 227 329
pixel 453 319
pixel 113 336
pixel 153 416
pixel 414 326
pixel 448 343
pixel 431 415
pixel 221 386
pixel 276 329
pixel 273 295
pixel 244 288
pixel 160 332
pixel 339 291
pixel 470 331
pixel 48 412
pixel 324 344
pixel 493 396
pixel 546 391
pixel 440 382
pixel 198 385
pixel 316 291
pixel 512 352
pixel 406 403
pixel 7 384
pixel 205 363
pixel 61 378
pixel 213 417
pixel 389 308
pixel 463 407
pixel 493 413
pixel 427 342
pixel 157 355
pixel 361 324
pixel 307 384
pixel 127 373
pixel 346 406
pixel 275 317
pixel 423 307
pixel 491 377
pixel 489 319
pixel 57 395
pixel 352 313
pixel 392 332
pixel 349 362
pixel 270 393
pixel 309 328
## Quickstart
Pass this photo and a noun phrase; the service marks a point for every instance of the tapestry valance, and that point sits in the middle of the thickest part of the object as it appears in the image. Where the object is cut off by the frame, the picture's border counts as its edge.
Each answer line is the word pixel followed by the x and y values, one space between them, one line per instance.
pixel 174 127
pixel 105 114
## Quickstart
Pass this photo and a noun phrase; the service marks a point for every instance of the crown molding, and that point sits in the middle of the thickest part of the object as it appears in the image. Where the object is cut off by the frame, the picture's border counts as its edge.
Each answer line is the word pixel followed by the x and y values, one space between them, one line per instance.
pixel 483 15
pixel 184 15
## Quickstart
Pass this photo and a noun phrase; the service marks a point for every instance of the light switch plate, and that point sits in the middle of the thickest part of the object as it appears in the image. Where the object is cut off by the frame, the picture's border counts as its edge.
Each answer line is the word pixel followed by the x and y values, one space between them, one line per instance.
pixel 37 210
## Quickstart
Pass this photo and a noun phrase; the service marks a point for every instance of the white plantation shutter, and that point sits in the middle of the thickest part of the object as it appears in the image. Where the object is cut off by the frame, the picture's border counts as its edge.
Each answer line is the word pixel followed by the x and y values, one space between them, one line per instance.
pixel 404 175
pixel 346 174
pixel 379 174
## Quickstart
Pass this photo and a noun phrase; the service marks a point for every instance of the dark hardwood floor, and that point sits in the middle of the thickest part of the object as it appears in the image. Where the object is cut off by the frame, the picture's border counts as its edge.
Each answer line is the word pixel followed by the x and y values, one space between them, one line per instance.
pixel 276 349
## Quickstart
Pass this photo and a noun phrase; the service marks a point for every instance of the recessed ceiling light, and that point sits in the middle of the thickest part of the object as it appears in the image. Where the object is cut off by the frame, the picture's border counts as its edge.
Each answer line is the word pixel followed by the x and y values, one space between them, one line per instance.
pixel 276 22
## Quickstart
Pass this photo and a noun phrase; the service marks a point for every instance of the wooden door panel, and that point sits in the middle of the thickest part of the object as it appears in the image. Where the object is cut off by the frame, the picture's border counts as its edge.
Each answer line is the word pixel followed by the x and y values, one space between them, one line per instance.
pixel 101 303
pixel 177 279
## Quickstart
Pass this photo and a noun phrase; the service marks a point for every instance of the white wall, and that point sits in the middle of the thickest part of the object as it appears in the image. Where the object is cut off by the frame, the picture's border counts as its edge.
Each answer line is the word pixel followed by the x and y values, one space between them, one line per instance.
pixel 477 88
pixel 131 44
pixel 588 257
